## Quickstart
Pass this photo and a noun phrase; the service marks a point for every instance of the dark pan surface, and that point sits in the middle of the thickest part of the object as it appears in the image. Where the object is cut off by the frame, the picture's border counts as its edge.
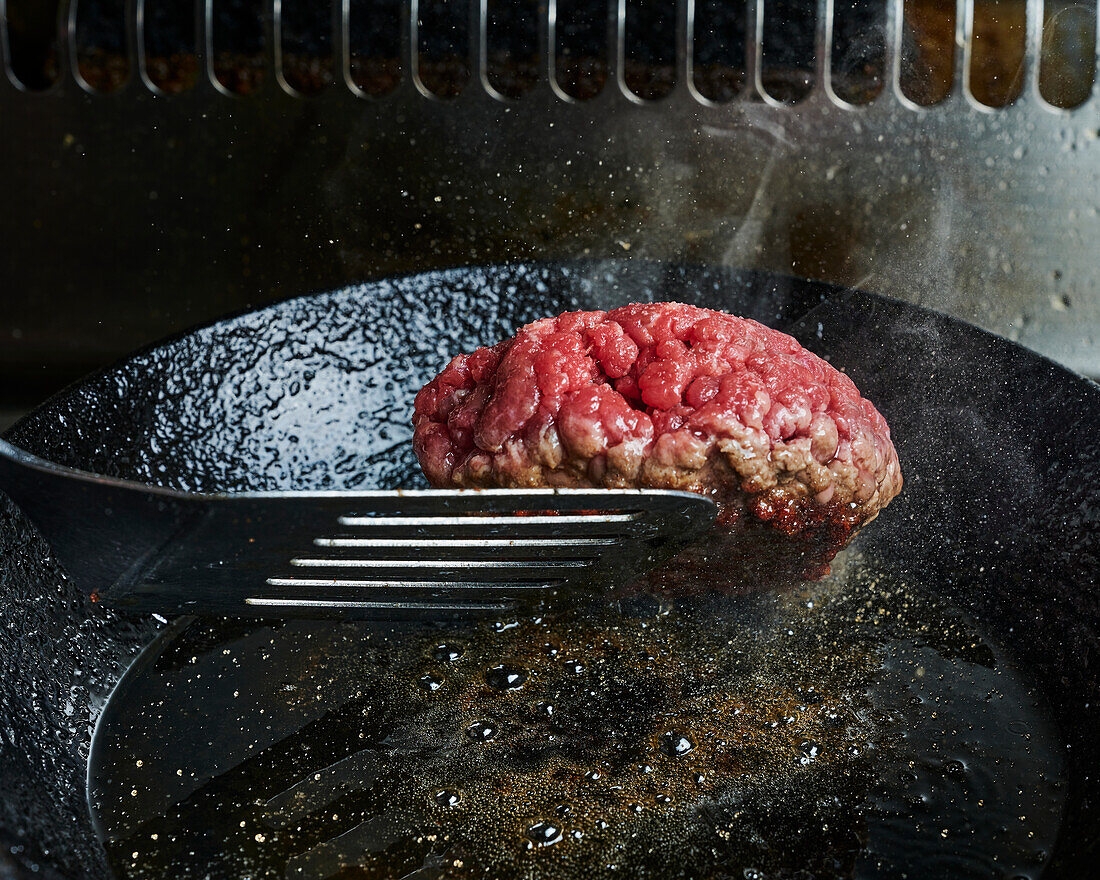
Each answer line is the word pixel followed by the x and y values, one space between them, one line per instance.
pixel 854 728
pixel 1000 509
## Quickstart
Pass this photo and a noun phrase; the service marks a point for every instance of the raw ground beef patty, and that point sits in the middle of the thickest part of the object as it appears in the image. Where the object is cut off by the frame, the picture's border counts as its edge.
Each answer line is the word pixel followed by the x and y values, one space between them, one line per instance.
pixel 671 396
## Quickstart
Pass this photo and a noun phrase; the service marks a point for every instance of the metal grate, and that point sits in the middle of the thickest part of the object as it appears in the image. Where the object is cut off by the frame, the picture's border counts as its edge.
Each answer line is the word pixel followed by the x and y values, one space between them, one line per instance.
pixel 988 53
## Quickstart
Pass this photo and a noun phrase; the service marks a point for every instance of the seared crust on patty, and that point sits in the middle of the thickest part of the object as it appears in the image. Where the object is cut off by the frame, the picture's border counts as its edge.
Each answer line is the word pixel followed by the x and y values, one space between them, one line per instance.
pixel 670 396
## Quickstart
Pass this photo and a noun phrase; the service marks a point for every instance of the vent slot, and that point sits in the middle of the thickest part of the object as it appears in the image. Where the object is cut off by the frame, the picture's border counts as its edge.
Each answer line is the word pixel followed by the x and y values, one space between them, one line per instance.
pixel 787 49
pixel 374 45
pixel 719 48
pixel 32 47
pixel 443 46
pixel 99 44
pixel 857 63
pixel 304 37
pixel 237 44
pixel 1067 65
pixel 167 41
pixel 512 46
pixel 997 49
pixel 649 48
pixel 927 63
pixel 580 61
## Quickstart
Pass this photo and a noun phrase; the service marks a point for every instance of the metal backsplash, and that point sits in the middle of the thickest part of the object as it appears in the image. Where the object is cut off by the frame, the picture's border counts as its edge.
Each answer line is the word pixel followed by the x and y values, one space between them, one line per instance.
pixel 132 214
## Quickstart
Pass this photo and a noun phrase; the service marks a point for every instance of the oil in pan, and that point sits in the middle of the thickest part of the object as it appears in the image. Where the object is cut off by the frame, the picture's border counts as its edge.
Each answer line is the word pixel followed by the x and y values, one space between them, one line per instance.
pixel 857 728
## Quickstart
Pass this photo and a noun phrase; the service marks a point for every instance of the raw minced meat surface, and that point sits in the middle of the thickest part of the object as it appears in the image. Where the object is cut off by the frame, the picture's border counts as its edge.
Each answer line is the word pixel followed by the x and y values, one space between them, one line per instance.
pixel 669 396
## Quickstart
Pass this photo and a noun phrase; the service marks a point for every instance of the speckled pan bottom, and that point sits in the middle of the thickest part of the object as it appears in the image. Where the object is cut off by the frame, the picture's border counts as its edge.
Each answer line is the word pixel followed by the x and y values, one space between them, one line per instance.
pixel 856 728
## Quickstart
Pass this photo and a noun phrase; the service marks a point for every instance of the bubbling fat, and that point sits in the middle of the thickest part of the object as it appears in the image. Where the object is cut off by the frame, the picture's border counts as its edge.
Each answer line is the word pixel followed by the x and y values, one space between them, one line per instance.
pixel 671 396
pixel 855 727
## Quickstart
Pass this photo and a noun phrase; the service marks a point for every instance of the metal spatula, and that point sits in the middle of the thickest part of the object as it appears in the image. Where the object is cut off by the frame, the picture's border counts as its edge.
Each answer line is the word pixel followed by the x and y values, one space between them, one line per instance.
pixel 342 554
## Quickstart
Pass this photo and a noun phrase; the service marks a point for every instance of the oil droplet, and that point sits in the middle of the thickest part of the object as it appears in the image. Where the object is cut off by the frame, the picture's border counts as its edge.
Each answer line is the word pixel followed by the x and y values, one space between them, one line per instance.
pixel 445 797
pixel 430 681
pixel 447 653
pixel 808 752
pixel 505 677
pixel 544 833
pixel 663 799
pixel 546 710
pixel 675 744
pixel 593 775
pixel 574 666
pixel 810 696
pixel 481 731
pixel 954 768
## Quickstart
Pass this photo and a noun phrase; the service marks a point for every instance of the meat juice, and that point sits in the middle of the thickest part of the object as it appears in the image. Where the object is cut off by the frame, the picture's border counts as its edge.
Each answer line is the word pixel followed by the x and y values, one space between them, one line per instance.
pixel 856 727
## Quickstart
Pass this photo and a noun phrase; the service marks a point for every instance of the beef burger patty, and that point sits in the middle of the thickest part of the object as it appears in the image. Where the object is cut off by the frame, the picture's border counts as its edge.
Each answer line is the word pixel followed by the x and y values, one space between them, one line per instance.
pixel 671 396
